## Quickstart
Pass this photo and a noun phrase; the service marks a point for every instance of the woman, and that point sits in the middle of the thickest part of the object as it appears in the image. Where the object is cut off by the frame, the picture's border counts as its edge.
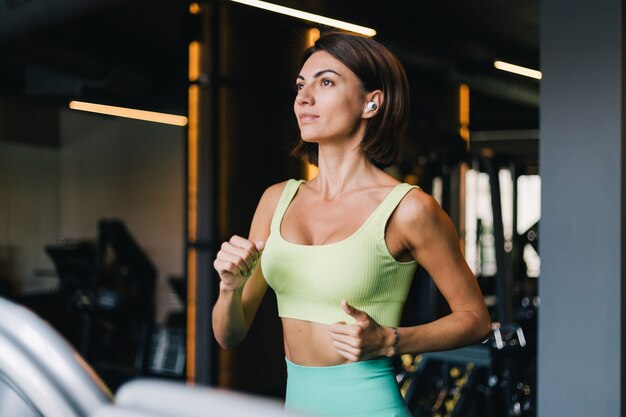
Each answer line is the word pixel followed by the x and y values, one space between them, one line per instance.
pixel 340 250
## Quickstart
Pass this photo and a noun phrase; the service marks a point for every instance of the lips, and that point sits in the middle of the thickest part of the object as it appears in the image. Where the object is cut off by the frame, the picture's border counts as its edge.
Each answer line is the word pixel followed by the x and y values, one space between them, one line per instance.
pixel 307 117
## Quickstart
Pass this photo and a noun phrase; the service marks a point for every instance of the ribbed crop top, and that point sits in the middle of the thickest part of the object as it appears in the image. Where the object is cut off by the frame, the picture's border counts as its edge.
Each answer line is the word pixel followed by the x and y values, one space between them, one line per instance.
pixel 311 280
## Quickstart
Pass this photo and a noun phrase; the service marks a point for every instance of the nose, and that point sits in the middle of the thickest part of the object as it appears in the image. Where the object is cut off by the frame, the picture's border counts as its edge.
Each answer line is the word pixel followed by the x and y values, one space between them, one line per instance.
pixel 305 96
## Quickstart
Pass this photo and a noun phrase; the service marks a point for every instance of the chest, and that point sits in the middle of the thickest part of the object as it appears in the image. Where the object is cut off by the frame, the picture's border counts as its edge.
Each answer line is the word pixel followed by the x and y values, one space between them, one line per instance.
pixel 310 281
pixel 358 268
pixel 310 220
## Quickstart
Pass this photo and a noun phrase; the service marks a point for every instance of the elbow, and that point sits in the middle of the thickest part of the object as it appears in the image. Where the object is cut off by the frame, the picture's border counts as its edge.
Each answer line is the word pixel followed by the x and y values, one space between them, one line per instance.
pixel 225 333
pixel 227 341
pixel 482 327
pixel 485 330
pixel 224 344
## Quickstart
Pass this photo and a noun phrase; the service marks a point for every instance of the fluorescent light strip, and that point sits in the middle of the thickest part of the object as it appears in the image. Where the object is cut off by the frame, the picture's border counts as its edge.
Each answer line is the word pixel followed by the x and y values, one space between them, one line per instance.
pixel 308 16
pixel 148 116
pixel 516 69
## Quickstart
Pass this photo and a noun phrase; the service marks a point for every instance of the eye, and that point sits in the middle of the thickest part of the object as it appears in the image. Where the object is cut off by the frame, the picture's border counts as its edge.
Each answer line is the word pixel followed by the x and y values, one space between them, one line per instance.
pixel 298 87
pixel 326 82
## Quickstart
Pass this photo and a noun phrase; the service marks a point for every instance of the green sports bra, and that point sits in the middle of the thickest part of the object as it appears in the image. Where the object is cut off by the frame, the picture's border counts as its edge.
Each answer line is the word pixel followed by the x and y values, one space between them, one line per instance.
pixel 310 281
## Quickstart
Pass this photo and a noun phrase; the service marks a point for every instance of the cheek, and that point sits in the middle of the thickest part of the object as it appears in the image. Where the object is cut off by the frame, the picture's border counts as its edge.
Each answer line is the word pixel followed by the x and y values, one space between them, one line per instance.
pixel 338 107
pixel 343 120
pixel 349 111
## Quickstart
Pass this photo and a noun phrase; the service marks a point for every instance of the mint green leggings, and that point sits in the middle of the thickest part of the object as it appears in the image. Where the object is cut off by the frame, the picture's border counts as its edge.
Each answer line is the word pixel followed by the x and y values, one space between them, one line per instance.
pixel 364 389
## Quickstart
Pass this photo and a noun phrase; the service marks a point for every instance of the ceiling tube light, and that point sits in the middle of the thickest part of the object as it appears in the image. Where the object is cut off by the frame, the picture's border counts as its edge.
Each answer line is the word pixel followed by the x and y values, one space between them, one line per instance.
pixel 309 16
pixel 148 116
pixel 516 69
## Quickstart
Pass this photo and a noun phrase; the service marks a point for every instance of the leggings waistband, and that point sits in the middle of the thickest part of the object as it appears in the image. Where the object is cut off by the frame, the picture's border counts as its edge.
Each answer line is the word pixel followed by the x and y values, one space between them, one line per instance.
pixel 367 388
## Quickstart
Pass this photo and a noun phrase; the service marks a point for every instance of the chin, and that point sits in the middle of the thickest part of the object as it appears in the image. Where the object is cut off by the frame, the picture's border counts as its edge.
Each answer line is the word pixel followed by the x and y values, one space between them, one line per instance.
pixel 309 137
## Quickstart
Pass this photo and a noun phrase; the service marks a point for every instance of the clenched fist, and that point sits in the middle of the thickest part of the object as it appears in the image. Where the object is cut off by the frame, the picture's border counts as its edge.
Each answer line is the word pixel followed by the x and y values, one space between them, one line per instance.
pixel 236 261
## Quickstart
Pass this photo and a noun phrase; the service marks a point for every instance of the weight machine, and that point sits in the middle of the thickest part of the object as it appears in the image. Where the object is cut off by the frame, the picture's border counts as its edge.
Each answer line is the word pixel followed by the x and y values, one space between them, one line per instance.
pixel 496 378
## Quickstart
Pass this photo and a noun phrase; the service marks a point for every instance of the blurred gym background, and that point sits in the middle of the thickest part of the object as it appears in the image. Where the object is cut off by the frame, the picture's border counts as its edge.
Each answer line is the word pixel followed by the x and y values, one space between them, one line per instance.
pixel 136 136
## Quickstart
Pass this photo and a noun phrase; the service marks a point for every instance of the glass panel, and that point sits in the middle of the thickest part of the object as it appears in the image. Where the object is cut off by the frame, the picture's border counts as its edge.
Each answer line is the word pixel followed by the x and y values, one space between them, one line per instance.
pixel 438 189
pixel 506 200
pixel 528 201
pixel 479 243
pixel 528 214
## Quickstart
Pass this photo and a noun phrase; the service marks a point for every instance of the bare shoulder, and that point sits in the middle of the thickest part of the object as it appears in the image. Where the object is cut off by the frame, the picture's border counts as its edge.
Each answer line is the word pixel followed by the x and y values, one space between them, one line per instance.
pixel 262 220
pixel 271 196
pixel 420 219
pixel 418 208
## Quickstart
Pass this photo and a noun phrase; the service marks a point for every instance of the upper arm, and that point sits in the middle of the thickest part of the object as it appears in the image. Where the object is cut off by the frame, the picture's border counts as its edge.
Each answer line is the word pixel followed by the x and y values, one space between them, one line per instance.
pixel 432 240
pixel 262 219
pixel 256 286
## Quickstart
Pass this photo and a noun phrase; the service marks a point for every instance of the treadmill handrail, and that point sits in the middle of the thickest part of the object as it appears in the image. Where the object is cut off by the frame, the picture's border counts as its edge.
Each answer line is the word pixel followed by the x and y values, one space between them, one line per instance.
pixel 177 399
pixel 45 366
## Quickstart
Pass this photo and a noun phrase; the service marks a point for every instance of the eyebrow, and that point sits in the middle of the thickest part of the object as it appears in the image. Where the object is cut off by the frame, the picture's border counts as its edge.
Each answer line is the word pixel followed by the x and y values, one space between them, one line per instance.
pixel 320 73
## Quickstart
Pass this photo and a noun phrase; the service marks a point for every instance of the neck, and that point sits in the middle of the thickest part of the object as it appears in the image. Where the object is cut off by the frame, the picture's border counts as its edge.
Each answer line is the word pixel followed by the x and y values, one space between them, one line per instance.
pixel 342 168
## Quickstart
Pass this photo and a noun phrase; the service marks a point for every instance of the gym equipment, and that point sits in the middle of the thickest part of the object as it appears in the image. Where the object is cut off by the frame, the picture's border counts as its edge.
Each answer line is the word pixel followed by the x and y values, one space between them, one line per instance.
pixel 107 288
pixel 41 375
pixel 498 377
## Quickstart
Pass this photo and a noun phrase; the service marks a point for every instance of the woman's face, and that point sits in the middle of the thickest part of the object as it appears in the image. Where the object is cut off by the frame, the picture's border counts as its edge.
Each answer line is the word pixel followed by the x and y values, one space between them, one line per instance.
pixel 330 100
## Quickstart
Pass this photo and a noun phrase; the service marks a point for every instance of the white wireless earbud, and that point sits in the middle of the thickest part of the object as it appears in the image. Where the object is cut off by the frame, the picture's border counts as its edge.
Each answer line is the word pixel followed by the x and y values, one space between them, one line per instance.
pixel 371 106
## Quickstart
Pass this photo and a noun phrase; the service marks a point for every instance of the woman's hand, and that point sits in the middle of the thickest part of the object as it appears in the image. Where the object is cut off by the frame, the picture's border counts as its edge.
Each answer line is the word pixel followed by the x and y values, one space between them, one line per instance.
pixel 361 341
pixel 236 261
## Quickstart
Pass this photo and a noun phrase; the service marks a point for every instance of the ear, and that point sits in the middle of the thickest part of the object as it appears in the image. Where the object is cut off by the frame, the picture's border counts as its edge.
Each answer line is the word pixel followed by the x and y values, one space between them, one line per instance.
pixel 375 97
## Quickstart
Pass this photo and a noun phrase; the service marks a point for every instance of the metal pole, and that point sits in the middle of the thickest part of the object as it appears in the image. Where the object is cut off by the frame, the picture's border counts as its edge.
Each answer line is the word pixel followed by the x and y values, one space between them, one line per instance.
pixel 201 202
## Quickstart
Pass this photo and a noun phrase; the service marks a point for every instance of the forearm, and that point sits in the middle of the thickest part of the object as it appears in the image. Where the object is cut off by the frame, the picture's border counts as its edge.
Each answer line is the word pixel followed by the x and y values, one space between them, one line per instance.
pixel 455 330
pixel 229 323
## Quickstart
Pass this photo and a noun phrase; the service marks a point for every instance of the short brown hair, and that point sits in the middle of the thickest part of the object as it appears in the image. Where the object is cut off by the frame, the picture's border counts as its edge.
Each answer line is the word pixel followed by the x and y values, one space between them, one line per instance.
pixel 378 69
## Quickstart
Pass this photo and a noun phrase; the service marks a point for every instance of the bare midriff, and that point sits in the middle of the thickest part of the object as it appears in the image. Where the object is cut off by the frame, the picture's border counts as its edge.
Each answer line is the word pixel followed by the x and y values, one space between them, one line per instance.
pixel 309 344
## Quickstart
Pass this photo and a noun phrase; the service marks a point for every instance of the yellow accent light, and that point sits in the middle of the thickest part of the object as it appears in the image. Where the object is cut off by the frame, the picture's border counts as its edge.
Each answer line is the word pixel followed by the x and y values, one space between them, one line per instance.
pixel 192 201
pixel 194 8
pixel 464 132
pixel 194 57
pixel 411 179
pixel 192 156
pixel 191 316
pixel 312 35
pixel 516 69
pixel 310 171
pixel 308 16
pixel 148 116
pixel 464 112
